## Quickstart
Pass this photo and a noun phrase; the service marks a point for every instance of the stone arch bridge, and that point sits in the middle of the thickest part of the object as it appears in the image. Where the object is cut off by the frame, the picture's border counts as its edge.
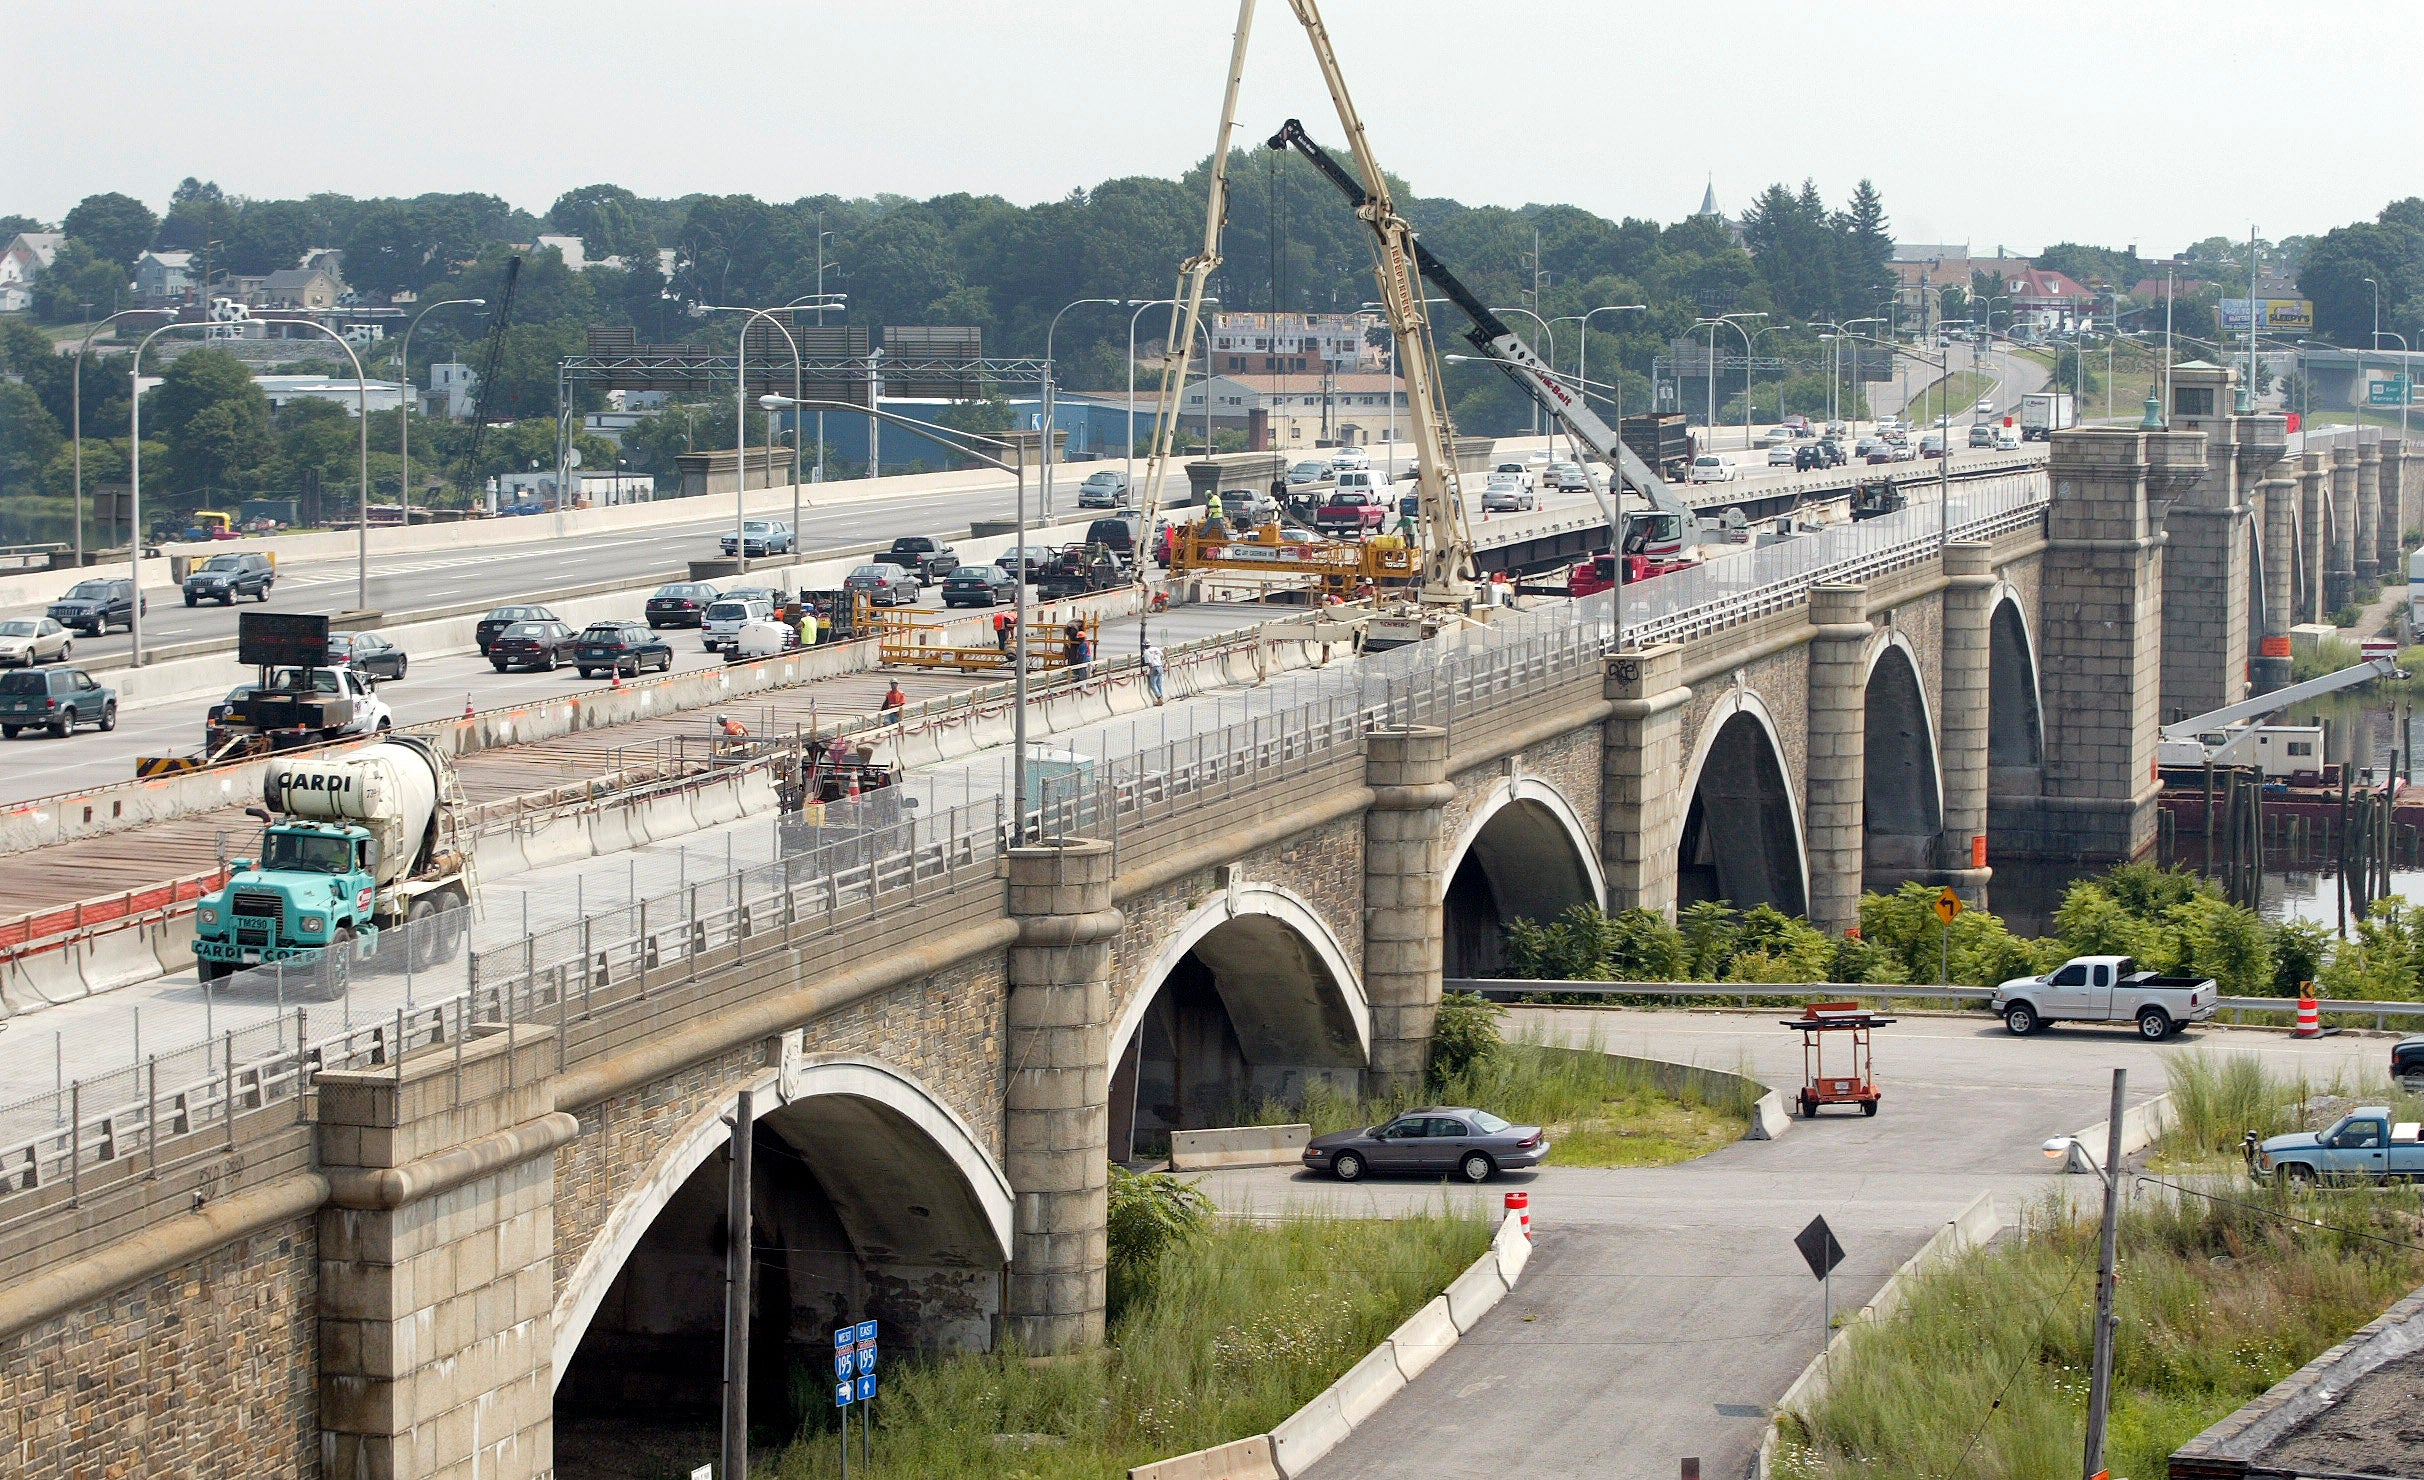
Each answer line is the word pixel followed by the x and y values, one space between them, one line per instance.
pixel 402 1251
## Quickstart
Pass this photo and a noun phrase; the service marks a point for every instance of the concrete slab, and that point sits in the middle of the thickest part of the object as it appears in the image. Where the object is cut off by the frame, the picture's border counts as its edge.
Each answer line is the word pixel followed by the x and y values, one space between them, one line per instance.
pixel 1247 1459
pixel 1239 1146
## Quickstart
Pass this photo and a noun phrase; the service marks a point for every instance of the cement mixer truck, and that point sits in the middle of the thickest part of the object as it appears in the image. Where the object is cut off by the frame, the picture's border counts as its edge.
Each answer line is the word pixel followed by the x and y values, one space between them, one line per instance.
pixel 354 843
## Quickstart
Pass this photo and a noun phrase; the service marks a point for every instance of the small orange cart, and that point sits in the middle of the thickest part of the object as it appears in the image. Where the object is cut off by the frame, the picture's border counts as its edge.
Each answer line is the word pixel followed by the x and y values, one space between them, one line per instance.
pixel 1851 1082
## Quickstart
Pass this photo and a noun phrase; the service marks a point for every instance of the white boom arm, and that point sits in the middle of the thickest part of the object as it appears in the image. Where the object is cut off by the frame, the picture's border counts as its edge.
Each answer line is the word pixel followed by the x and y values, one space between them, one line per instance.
pixel 2296 693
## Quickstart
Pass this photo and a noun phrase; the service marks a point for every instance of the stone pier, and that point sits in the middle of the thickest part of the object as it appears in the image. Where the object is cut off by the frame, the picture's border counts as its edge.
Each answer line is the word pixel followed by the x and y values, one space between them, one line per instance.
pixel 1838 753
pixel 1407 769
pixel 1641 752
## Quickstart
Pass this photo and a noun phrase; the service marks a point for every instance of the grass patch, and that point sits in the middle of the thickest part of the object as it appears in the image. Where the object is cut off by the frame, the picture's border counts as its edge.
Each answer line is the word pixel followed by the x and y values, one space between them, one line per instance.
pixel 1235 1330
pixel 1984 1370
pixel 1599 1111
pixel 2218 1098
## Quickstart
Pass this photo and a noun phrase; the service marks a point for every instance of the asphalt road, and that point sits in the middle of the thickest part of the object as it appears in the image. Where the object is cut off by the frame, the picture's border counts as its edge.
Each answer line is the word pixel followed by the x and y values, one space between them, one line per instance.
pixel 427 580
pixel 1665 1309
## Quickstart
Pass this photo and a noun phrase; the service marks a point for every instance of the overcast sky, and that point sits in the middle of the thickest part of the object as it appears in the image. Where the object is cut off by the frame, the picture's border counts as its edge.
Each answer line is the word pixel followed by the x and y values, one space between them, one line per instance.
pixel 2122 121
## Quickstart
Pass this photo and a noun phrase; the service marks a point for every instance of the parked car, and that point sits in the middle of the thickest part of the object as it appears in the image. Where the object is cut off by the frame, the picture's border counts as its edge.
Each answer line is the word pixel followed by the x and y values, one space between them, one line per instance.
pixel 928 558
pixel 1472 1145
pixel 728 616
pixel 1568 477
pixel 1308 472
pixel 1774 435
pixel 1782 454
pixel 682 604
pixel 1116 530
pixel 1982 435
pixel 622 648
pixel 506 616
pixel 1518 471
pixel 761 537
pixel 1985 406
pixel 979 585
pixel 1710 468
pixel 531 645
pixel 368 654
pixel 54 699
pixel 2367 1145
pixel 1830 452
pixel 1932 445
pixel 2007 439
pixel 1837 429
pixel 1252 508
pixel 93 607
pixel 1036 556
pixel 885 583
pixel 25 641
pixel 1350 513
pixel 2105 989
pixel 223 578
pixel 1350 457
pixel 1107 489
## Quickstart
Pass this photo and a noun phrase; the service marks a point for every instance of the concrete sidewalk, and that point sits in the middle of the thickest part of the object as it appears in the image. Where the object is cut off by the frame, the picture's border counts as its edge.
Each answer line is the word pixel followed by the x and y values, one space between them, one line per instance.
pixel 1665 1309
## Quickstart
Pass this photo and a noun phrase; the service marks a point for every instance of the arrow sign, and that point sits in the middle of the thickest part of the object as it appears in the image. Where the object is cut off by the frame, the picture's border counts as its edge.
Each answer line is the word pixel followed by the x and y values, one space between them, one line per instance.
pixel 866 1388
pixel 1817 1245
pixel 842 1393
pixel 1948 905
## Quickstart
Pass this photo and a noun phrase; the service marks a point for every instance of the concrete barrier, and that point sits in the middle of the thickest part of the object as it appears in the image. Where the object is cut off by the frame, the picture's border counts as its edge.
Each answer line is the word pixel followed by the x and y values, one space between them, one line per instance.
pixel 119 958
pixel 1769 1118
pixel 2142 1125
pixel 1368 1385
pixel 1426 1334
pixel 28 983
pixel 1238 1146
pixel 1475 1292
pixel 1513 1247
pixel 1246 1459
pixel 1312 1431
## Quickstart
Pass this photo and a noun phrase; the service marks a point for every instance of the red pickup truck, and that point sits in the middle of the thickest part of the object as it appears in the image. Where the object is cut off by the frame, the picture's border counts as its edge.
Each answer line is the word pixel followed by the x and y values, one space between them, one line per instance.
pixel 1352 512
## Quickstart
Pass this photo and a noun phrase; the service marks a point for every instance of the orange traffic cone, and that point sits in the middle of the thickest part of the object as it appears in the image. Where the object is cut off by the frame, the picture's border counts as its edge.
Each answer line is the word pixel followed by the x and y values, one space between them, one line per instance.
pixel 618 679
pixel 2310 1018
pixel 467 714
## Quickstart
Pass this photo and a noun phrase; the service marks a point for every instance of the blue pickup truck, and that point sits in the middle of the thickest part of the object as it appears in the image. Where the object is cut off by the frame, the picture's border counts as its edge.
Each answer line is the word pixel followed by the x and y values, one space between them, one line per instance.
pixel 2365 1146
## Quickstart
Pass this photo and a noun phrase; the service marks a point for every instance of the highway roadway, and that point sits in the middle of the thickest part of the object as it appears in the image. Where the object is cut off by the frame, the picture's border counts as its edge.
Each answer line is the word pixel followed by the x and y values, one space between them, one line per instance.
pixel 1665 1310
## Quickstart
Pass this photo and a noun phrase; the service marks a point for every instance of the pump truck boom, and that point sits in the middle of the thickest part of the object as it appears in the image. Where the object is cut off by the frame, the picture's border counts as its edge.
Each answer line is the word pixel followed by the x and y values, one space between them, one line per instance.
pixel 1661 534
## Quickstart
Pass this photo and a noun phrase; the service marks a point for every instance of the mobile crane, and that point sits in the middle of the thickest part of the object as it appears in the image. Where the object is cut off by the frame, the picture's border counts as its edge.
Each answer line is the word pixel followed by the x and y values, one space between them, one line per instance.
pixel 1653 541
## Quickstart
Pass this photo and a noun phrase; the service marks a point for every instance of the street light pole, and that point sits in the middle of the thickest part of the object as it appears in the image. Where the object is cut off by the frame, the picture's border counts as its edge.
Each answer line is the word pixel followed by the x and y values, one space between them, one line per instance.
pixel 1550 335
pixel 404 406
pixel 75 393
pixel 1046 452
pixel 2100 1375
pixel 740 430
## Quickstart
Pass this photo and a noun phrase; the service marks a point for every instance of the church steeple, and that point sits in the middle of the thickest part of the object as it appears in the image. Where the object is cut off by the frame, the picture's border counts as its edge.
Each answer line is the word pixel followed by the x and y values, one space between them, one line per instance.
pixel 1708 199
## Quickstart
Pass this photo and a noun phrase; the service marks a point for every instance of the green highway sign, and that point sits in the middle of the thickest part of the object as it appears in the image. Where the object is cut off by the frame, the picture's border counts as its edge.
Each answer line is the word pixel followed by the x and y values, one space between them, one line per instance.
pixel 2396 392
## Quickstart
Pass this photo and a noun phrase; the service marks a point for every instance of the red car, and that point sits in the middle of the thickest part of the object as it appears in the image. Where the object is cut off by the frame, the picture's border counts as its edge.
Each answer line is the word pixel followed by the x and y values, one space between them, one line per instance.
pixel 1349 512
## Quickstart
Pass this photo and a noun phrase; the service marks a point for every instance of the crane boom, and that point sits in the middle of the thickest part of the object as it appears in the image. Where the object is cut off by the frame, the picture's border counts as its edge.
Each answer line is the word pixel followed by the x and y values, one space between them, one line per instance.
pixel 1448 569
pixel 1186 305
pixel 1503 347
pixel 488 376
pixel 2279 699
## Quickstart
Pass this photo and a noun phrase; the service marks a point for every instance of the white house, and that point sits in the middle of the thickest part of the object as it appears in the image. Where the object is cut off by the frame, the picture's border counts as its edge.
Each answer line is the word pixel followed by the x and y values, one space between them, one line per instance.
pixel 452 385
pixel 1293 342
pixel 25 260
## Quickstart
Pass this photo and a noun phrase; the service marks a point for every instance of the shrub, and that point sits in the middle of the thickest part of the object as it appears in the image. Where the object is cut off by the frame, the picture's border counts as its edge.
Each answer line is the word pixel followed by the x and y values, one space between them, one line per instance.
pixel 1150 1213
pixel 1464 1037
pixel 2298 949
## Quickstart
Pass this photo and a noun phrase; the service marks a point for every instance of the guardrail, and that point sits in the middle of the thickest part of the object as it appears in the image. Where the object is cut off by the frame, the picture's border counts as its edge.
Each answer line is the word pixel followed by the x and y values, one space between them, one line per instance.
pixel 879 860
pixel 29 557
pixel 1745 992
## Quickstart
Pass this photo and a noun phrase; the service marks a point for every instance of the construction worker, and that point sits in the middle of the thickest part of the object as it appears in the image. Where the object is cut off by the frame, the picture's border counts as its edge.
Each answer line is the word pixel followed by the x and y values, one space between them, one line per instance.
pixel 1079 651
pixel 807 625
pixel 1214 526
pixel 894 701
pixel 1407 526
pixel 1001 631
pixel 1154 664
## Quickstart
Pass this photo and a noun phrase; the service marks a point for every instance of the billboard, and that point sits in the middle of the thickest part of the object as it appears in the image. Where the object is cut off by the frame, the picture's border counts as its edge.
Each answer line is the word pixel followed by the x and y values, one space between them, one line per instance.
pixel 2273 315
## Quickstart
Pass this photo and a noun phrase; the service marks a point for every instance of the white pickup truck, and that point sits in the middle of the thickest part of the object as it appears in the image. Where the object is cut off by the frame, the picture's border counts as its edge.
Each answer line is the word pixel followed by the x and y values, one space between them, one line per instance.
pixel 2105 989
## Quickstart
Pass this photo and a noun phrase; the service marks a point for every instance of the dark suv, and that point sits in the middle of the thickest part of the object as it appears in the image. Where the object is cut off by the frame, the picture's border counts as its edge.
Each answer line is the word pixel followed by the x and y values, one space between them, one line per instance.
pixel 93 607
pixel 682 604
pixel 223 578
pixel 928 558
pixel 624 648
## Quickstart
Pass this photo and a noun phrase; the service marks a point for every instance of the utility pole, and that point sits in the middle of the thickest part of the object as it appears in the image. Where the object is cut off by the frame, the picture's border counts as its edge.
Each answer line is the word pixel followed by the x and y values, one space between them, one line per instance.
pixel 2100 1379
pixel 738 1241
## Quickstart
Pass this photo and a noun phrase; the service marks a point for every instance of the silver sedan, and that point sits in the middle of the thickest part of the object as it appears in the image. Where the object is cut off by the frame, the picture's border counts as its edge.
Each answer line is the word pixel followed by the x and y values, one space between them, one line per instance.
pixel 25 641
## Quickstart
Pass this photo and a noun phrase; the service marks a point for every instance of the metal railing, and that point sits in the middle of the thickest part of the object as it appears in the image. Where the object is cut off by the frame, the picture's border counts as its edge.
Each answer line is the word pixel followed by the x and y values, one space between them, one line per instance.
pixel 1744 992
pixel 847 862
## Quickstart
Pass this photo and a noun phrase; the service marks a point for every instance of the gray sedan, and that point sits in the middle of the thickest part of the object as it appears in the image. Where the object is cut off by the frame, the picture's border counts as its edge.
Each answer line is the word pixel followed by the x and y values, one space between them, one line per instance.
pixel 1473 1145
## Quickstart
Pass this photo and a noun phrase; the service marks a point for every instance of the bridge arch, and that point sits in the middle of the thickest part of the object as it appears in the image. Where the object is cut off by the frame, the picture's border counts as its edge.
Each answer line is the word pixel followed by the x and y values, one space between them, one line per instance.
pixel 1742 832
pixel 1252 995
pixel 869 1196
pixel 1524 854
pixel 2015 736
pixel 1902 786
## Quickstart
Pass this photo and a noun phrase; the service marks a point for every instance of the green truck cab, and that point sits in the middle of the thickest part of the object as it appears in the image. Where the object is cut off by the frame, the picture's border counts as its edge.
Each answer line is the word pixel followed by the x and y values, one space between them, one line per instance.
pixel 315 885
pixel 354 842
